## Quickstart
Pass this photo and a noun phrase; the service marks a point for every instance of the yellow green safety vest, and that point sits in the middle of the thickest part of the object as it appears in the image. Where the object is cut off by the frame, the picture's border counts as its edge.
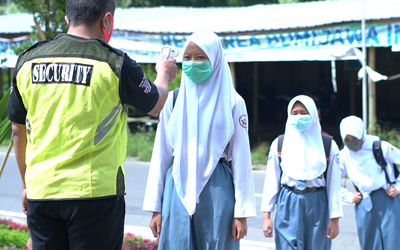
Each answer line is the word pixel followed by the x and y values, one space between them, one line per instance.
pixel 76 124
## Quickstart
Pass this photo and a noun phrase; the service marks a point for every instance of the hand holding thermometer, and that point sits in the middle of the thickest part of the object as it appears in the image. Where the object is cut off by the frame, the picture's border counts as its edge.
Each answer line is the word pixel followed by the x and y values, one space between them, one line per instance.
pixel 168 52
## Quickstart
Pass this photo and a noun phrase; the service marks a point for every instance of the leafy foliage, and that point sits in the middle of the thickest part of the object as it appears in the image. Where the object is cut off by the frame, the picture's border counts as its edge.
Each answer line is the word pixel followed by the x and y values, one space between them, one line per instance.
pixel 48 13
pixel 132 241
pixel 391 135
pixel 5 124
pixel 13 235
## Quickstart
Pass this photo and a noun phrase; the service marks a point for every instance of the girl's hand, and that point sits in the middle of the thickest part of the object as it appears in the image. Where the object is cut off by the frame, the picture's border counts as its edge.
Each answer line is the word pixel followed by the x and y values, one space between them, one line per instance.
pixel 155 224
pixel 239 228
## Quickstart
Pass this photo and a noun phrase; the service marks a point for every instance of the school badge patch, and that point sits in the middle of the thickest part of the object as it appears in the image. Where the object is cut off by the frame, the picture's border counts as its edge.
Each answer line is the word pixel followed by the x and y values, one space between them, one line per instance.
pixel 243 121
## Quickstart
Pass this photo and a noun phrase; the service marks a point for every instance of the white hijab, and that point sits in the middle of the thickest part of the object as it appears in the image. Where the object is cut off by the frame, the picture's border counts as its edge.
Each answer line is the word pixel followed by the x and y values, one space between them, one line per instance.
pixel 201 123
pixel 364 169
pixel 303 156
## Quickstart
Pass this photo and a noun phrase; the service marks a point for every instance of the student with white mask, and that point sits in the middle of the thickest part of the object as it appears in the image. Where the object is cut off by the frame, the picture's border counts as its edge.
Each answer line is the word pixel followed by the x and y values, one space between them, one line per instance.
pixel 377 201
pixel 298 181
pixel 200 183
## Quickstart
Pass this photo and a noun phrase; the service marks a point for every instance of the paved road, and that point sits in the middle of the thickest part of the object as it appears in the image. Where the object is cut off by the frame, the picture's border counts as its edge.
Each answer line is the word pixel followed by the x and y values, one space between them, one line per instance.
pixel 137 220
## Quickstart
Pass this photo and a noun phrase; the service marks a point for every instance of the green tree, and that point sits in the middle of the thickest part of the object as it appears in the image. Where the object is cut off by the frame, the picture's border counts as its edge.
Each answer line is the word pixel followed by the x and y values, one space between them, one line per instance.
pixel 48 16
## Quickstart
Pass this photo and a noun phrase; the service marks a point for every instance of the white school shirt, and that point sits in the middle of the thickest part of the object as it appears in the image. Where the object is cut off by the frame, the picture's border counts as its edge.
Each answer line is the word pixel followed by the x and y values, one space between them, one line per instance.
pixel 237 151
pixel 371 177
pixel 272 185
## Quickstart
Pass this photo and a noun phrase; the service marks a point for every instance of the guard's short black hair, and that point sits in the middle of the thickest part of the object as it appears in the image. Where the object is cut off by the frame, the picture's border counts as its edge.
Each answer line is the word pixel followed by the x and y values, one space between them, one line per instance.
pixel 87 11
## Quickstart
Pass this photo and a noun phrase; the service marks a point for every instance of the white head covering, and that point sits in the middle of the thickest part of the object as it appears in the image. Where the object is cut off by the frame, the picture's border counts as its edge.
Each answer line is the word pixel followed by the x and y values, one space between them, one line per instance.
pixel 352 125
pixel 303 155
pixel 201 123
pixel 364 170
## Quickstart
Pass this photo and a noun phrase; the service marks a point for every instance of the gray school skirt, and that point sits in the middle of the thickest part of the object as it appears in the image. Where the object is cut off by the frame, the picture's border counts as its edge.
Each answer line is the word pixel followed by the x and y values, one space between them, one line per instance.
pixel 302 220
pixel 210 227
pixel 379 229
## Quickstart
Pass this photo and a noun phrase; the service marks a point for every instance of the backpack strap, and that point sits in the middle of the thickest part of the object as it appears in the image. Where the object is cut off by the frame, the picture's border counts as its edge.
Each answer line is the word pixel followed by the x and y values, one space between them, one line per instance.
pixel 326 140
pixel 396 171
pixel 175 95
pixel 378 155
pixel 280 142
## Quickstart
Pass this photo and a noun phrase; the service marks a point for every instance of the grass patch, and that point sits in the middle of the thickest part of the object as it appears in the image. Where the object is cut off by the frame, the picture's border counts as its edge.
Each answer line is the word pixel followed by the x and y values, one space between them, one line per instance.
pixel 259 155
pixel 140 144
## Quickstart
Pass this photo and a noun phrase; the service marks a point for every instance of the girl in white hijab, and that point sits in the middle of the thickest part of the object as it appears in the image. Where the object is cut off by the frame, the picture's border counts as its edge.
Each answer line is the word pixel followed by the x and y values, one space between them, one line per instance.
pixel 297 180
pixel 377 201
pixel 200 184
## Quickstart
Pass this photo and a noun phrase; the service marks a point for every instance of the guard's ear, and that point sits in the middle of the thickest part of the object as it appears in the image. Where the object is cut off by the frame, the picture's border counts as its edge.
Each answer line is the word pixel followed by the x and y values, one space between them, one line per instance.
pixel 66 19
pixel 107 24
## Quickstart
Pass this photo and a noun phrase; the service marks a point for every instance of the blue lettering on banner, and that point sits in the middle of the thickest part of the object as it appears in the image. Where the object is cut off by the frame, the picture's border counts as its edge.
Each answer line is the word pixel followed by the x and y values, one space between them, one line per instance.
pixel 254 41
pixel 328 33
pixel 228 41
pixel 337 37
pixel 396 33
pixel 166 40
pixel 242 42
pixel 271 39
pixel 176 41
pixel 372 35
pixel 353 35
pixel 314 35
pixel 179 41
pixel 377 34
pixel 389 33
pixel 298 38
pixel 283 40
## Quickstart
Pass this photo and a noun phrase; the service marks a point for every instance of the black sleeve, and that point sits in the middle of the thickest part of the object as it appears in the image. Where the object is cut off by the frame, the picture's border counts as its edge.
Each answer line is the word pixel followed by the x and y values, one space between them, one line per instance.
pixel 16 109
pixel 135 88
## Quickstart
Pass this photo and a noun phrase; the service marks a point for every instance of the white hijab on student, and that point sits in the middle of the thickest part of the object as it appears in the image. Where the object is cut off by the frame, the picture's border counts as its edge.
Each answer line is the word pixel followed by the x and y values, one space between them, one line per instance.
pixel 201 123
pixel 303 155
pixel 364 171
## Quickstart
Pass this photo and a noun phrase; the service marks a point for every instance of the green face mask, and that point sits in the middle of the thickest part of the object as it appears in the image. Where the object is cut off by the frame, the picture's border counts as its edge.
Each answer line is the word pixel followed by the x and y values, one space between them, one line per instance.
pixel 197 71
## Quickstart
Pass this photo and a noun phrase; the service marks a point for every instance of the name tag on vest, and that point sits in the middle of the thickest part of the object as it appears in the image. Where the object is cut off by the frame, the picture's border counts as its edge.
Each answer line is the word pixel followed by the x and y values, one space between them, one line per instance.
pixel 75 73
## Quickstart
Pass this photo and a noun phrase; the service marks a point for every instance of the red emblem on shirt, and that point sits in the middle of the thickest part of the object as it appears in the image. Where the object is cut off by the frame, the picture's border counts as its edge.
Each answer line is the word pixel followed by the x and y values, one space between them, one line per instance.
pixel 243 121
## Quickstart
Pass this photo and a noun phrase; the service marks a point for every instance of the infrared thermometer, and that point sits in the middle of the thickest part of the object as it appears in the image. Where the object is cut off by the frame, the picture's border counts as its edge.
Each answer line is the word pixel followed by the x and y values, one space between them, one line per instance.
pixel 168 52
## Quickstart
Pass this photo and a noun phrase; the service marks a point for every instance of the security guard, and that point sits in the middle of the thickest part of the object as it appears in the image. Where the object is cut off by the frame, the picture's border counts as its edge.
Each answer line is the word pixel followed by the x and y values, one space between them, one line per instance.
pixel 68 112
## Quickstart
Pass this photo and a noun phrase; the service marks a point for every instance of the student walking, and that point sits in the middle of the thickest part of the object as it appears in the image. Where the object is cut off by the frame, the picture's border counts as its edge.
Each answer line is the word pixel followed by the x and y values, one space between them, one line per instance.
pixel 368 163
pixel 303 181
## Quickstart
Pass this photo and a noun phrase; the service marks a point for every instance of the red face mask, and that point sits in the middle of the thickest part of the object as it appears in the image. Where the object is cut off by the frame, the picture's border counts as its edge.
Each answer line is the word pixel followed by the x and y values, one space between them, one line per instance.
pixel 107 36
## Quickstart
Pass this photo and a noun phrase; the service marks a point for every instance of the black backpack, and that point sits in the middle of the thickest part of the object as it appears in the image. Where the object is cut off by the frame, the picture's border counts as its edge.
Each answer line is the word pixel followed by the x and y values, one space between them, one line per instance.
pixel 378 155
pixel 377 150
pixel 327 141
